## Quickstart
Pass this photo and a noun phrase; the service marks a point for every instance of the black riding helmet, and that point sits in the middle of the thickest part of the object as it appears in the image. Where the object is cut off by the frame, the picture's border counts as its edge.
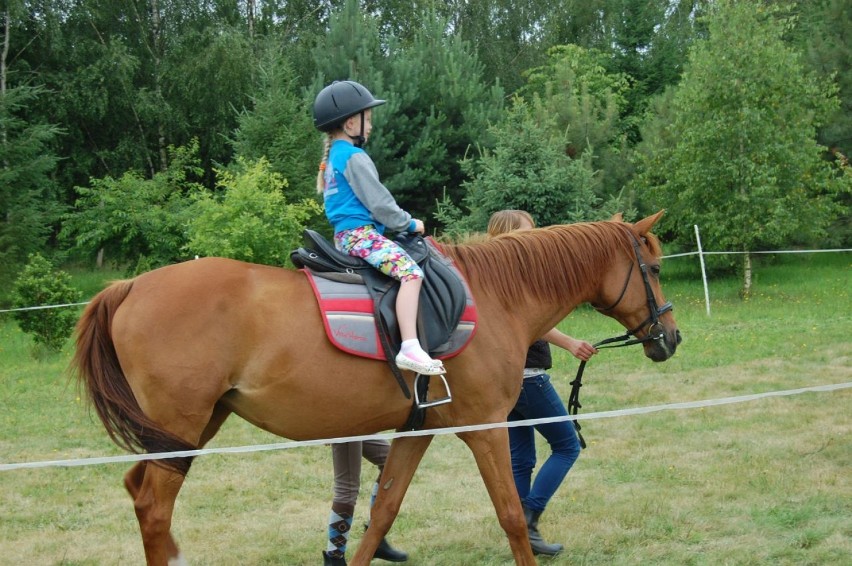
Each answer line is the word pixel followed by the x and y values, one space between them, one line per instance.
pixel 340 100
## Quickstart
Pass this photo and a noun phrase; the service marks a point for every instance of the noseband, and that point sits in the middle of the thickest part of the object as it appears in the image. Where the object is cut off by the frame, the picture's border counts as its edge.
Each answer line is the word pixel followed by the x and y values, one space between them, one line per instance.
pixel 655 331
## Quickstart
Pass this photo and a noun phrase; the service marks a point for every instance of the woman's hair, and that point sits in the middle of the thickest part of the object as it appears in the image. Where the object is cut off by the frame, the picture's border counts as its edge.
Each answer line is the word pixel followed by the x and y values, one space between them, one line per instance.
pixel 326 146
pixel 504 221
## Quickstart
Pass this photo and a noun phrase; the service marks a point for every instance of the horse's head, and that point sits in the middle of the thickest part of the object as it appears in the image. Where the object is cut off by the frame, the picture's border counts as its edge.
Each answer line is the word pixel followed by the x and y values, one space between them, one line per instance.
pixel 631 292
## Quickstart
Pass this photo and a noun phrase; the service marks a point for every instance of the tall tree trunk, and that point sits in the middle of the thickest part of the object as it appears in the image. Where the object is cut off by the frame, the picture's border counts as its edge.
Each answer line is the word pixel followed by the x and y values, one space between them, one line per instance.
pixel 158 52
pixel 250 8
pixel 5 54
pixel 746 290
pixel 6 30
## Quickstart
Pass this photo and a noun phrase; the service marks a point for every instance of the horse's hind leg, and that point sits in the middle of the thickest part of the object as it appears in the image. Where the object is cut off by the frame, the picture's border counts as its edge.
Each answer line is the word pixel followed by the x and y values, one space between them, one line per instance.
pixel 491 450
pixel 404 457
pixel 154 490
pixel 154 505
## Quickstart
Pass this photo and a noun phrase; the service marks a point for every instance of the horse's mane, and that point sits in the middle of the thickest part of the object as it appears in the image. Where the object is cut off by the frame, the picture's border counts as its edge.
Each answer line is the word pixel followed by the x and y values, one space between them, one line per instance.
pixel 544 264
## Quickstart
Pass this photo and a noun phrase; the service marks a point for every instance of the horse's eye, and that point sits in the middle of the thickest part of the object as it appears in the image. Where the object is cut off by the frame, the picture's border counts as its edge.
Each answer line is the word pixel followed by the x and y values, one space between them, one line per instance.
pixel 655 269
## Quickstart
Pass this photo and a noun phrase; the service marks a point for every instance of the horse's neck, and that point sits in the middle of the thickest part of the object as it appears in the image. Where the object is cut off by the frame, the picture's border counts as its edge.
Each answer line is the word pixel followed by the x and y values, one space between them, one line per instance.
pixel 537 277
pixel 542 317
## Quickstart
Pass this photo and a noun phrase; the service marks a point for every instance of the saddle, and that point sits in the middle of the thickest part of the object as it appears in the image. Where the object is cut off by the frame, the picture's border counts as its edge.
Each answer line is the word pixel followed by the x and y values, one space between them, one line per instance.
pixel 443 296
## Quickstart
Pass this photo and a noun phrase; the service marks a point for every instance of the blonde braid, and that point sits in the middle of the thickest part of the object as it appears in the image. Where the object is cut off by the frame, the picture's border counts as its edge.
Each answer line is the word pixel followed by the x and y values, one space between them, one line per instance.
pixel 326 147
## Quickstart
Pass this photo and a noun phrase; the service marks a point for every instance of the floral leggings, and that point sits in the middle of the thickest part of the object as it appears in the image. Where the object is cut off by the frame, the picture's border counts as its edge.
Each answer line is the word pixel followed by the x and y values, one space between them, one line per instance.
pixel 382 253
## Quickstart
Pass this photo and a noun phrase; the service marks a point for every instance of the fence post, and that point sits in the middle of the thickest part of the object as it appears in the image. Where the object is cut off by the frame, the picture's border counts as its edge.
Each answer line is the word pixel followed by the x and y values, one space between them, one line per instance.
pixel 703 270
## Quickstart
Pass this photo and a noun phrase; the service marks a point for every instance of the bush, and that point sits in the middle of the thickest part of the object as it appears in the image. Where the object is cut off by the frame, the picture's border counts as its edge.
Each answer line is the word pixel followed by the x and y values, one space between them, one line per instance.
pixel 38 284
pixel 251 219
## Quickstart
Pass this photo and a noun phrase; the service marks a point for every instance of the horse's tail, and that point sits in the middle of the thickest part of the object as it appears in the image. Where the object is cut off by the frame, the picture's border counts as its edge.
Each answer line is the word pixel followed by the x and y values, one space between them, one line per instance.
pixel 98 370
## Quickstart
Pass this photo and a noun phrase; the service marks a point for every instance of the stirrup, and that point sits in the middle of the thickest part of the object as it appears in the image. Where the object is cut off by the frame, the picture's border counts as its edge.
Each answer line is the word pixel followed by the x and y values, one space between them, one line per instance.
pixel 436 402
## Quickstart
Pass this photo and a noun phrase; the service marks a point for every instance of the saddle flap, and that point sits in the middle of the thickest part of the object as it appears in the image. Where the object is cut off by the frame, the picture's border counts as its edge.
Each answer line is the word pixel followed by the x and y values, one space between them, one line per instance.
pixel 443 299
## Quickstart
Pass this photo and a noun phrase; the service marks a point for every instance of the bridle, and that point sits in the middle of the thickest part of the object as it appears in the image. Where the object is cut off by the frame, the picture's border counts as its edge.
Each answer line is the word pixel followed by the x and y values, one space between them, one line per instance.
pixel 655 330
pixel 655 310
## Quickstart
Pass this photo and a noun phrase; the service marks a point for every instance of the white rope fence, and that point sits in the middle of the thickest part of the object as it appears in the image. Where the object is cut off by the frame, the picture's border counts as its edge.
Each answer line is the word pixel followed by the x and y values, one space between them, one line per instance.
pixel 429 432
pixel 42 307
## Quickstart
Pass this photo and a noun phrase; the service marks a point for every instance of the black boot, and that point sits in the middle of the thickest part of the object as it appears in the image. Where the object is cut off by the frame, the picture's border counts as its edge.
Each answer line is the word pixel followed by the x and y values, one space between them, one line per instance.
pixel 386 552
pixel 332 560
pixel 538 544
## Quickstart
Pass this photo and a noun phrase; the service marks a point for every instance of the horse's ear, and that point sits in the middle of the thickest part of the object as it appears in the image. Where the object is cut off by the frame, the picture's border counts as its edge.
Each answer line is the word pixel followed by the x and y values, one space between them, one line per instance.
pixel 644 226
pixel 617 217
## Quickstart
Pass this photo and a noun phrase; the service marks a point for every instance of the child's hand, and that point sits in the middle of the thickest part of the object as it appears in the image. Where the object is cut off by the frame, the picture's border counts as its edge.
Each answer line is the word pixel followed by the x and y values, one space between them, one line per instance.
pixel 419 228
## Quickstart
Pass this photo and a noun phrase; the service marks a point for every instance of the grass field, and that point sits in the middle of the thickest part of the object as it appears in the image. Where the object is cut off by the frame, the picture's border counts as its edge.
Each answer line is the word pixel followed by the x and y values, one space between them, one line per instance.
pixel 762 482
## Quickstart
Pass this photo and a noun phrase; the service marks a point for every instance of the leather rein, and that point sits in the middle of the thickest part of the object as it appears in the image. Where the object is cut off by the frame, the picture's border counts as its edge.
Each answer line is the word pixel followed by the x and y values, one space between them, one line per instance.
pixel 655 331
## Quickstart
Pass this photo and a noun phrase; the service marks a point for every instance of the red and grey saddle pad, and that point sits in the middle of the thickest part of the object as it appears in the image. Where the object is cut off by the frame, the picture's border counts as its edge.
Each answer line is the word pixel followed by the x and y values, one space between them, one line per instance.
pixel 348 316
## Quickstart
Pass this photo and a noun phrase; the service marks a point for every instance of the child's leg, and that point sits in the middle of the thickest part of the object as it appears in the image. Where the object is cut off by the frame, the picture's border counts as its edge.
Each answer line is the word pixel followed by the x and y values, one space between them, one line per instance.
pixel 411 354
pixel 407 303
pixel 389 258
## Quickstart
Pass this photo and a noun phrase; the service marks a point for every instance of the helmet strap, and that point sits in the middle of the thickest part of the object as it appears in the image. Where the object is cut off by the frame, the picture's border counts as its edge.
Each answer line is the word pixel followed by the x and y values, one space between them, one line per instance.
pixel 359 140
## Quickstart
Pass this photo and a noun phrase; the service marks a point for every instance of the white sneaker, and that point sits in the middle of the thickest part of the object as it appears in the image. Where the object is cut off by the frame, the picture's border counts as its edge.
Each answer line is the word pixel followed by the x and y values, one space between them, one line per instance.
pixel 435 367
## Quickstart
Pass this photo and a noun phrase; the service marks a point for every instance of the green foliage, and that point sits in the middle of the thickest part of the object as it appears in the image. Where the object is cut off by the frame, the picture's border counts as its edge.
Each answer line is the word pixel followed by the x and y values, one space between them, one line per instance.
pixel 821 33
pixel 585 100
pixel 136 221
pixel 279 128
pixel 739 157
pixel 439 105
pixel 205 75
pixel 251 220
pixel 528 169
pixel 28 200
pixel 39 284
pixel 438 102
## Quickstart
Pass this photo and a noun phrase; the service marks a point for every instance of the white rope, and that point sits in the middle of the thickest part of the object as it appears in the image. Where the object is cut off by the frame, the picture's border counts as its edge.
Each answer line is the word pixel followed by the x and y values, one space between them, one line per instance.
pixel 429 432
pixel 685 254
pixel 44 307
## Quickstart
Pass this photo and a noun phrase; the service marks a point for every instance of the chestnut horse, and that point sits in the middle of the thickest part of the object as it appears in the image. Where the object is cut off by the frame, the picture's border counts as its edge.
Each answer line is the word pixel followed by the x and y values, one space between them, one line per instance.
pixel 167 356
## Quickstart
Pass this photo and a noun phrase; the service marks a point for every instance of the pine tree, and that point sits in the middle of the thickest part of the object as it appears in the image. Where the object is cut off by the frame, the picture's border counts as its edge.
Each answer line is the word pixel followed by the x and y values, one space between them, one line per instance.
pixel 28 201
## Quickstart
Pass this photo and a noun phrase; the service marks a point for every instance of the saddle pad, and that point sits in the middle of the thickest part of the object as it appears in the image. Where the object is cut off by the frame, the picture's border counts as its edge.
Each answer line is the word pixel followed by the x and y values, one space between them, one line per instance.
pixel 347 315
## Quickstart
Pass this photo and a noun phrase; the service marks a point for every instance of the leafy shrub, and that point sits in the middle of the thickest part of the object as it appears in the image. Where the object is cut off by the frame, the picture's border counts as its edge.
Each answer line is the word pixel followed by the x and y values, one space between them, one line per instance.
pixel 136 221
pixel 38 284
pixel 251 220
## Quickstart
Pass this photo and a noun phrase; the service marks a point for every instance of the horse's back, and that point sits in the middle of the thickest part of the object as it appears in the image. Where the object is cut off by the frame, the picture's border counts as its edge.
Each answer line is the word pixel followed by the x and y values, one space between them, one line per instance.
pixel 197 325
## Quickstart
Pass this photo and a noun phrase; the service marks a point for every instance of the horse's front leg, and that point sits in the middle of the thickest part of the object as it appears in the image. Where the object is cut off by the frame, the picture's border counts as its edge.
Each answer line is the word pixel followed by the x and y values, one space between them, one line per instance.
pixel 491 450
pixel 404 457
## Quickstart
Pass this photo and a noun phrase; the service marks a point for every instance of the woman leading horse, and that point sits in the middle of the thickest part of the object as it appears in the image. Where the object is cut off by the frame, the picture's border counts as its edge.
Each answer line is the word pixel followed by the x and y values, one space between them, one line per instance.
pixel 168 356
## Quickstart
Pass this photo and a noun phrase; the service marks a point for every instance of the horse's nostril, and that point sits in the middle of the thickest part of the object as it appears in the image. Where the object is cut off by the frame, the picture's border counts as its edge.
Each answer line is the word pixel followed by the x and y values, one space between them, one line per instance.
pixel 679 338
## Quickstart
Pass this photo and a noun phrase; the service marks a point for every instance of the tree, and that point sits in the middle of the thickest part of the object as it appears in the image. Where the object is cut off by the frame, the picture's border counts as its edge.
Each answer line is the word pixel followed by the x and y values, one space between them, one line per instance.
pixel 139 222
pixel 822 34
pixel 438 102
pixel 743 162
pixel 527 169
pixel 440 105
pixel 28 200
pixel 278 128
pixel 586 102
pixel 251 220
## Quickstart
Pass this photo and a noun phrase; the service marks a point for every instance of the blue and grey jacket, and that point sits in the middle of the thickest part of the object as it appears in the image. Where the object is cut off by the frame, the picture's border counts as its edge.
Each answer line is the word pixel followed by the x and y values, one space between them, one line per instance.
pixel 354 196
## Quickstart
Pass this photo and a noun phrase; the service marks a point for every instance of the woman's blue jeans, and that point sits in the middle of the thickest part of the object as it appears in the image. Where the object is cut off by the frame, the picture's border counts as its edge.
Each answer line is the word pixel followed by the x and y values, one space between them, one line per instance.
pixel 538 399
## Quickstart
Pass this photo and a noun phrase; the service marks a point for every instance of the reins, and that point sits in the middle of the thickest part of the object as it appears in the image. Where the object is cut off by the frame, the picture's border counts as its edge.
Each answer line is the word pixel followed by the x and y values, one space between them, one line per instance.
pixel 574 404
pixel 624 339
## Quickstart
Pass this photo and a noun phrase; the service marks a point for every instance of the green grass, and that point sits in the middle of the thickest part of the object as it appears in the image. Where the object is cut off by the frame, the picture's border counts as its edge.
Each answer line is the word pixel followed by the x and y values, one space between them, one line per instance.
pixel 763 482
